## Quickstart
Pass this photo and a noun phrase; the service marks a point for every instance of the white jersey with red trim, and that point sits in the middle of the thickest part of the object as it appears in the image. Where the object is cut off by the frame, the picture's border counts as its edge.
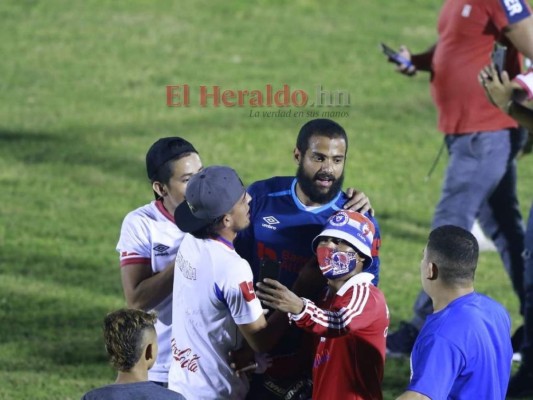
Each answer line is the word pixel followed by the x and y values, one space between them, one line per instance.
pixel 150 236
pixel 213 293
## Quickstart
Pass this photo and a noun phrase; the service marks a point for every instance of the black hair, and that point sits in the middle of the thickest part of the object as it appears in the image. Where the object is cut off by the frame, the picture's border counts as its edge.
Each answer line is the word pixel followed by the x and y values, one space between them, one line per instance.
pixel 455 251
pixel 208 231
pixel 165 171
pixel 320 127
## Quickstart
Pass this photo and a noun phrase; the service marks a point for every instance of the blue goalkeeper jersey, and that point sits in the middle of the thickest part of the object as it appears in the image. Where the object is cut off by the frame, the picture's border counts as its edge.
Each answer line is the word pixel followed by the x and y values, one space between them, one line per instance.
pixel 282 228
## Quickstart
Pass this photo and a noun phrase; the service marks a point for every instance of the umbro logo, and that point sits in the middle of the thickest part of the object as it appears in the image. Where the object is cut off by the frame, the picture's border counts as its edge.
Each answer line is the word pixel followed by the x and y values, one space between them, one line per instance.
pixel 161 250
pixel 271 220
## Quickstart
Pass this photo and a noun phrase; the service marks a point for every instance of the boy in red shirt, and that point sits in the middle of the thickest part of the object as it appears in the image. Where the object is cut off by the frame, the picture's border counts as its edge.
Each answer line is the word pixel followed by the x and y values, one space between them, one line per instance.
pixel 354 320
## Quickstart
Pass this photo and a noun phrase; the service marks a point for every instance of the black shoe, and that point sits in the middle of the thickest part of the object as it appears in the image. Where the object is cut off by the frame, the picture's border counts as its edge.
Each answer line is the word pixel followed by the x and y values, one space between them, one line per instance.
pixel 521 383
pixel 401 342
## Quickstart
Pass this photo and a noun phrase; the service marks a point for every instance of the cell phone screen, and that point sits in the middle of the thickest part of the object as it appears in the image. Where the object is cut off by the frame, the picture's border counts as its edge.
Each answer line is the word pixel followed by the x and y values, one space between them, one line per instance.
pixel 498 58
pixel 268 269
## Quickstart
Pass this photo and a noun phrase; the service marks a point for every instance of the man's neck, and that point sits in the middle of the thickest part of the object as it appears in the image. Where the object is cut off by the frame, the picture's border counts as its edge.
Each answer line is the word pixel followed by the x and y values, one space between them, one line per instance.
pixel 306 201
pixel 227 234
pixel 445 297
pixel 132 376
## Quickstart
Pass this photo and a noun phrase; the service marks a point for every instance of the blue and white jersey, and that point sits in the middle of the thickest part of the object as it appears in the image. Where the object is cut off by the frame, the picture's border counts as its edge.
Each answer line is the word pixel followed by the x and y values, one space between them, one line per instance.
pixel 282 228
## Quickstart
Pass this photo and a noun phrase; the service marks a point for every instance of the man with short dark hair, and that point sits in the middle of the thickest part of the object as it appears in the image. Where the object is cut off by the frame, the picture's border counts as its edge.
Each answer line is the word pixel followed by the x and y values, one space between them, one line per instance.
pixel 464 348
pixel 214 306
pixel 131 342
pixel 149 240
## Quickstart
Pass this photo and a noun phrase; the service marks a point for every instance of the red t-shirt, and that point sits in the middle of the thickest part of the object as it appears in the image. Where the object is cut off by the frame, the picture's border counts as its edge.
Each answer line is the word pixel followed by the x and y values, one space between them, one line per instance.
pixel 467 32
pixel 350 356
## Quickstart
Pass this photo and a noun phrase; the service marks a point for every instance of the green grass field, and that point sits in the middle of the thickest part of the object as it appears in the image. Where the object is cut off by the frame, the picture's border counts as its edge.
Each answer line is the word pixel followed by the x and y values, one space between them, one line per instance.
pixel 82 97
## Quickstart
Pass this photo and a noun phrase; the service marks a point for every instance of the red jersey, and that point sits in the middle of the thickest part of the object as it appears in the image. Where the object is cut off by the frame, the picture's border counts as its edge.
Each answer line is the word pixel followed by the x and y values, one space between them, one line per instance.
pixel 467 31
pixel 350 357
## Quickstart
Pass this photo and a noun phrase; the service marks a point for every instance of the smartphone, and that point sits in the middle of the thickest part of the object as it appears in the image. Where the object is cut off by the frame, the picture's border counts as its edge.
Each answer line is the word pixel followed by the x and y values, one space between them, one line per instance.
pixel 268 269
pixel 395 57
pixel 498 58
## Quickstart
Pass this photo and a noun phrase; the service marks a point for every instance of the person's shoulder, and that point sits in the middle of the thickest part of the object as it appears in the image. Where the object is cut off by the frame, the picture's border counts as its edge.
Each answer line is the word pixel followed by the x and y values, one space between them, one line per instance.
pixel 271 185
pixel 162 393
pixel 148 211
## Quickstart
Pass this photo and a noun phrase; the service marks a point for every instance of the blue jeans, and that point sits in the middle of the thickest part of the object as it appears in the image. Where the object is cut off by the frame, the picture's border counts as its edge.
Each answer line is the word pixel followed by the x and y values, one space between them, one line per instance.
pixel 480 183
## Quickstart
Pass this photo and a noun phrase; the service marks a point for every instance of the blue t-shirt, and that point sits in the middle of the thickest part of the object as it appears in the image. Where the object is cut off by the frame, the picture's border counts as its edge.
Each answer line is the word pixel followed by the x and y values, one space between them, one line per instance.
pixel 132 391
pixel 282 228
pixel 464 351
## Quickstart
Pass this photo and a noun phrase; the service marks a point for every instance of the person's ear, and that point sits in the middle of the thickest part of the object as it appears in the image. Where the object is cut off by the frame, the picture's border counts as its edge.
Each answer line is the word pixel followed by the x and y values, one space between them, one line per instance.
pixel 149 353
pixel 432 271
pixel 297 155
pixel 159 188
pixel 226 220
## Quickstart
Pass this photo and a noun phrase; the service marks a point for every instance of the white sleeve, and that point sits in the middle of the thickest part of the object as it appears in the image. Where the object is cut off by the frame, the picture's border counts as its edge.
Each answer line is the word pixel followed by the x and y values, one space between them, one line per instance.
pixel 134 242
pixel 526 82
pixel 240 297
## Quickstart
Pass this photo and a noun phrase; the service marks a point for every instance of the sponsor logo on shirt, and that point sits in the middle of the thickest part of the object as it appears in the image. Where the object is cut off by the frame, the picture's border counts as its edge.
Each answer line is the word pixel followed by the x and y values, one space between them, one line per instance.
pixel 466 11
pixel 185 357
pixel 247 289
pixel 161 250
pixel 188 271
pixel 270 221
pixel 321 358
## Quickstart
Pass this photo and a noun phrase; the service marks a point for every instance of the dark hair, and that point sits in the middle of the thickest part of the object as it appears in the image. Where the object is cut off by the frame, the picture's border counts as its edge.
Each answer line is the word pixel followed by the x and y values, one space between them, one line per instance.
pixel 455 251
pixel 164 172
pixel 208 231
pixel 319 127
pixel 124 331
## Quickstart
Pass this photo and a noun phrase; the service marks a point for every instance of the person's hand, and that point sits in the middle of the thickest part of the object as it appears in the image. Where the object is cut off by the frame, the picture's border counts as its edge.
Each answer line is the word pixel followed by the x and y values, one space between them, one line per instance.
pixel 499 92
pixel 275 295
pixel 405 69
pixel 242 360
pixel 358 201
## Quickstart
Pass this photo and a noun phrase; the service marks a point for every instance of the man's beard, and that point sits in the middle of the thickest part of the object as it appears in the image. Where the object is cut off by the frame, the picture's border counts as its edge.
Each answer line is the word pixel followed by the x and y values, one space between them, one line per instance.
pixel 310 189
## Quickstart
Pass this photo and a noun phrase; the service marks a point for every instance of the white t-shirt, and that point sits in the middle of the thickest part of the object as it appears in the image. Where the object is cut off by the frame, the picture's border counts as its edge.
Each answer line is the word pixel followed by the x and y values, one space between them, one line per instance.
pixel 150 236
pixel 213 293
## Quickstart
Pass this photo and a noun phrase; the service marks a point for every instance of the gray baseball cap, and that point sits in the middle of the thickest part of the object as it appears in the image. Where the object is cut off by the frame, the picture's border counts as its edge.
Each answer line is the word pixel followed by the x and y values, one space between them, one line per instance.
pixel 210 194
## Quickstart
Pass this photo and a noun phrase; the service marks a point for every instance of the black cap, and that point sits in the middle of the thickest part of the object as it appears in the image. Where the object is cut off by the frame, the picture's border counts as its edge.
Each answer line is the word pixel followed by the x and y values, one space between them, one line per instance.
pixel 210 194
pixel 163 150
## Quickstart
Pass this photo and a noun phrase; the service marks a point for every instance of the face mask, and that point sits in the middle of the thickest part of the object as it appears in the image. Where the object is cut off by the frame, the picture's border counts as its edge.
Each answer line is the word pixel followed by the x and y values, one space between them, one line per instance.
pixel 335 264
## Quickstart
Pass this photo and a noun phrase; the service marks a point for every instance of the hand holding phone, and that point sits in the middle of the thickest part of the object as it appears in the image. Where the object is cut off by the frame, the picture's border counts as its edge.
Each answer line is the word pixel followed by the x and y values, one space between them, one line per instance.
pixel 395 57
pixel 498 58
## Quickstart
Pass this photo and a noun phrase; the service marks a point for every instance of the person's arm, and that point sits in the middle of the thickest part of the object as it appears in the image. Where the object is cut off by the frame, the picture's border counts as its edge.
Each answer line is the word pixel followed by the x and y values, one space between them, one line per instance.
pixel 142 288
pixel 410 395
pixel 503 94
pixel 420 62
pixel 327 323
pixel 521 36
pixel 254 335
